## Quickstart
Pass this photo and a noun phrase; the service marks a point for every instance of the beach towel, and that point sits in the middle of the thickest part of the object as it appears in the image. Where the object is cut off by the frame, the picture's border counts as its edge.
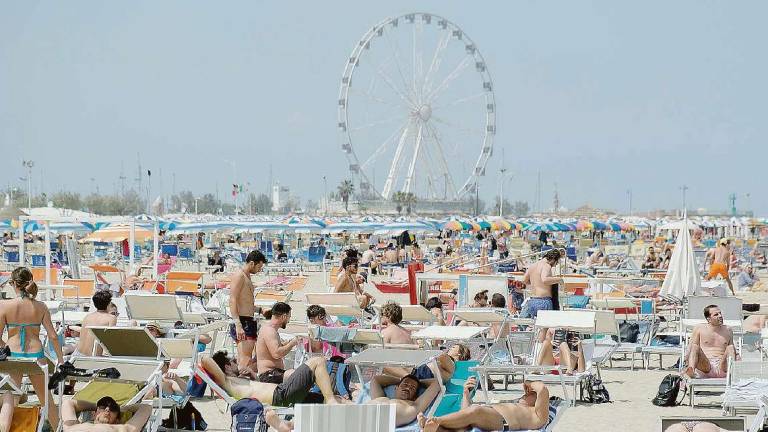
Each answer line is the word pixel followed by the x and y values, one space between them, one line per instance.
pixel 336 334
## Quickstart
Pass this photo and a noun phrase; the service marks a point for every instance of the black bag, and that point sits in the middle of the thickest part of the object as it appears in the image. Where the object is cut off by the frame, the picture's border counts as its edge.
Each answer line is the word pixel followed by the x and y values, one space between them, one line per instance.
pixel 669 389
pixel 596 391
pixel 187 418
pixel 629 332
pixel 750 307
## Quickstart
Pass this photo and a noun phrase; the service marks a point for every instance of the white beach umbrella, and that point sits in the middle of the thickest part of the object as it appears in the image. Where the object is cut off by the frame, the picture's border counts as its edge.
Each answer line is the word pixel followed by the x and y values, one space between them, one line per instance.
pixel 683 278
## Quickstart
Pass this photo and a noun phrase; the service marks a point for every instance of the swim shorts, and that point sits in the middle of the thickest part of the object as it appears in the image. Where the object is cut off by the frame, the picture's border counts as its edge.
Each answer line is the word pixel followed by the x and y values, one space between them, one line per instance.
pixel 535 304
pixel 295 388
pixel 718 269
pixel 274 376
pixel 714 370
pixel 249 327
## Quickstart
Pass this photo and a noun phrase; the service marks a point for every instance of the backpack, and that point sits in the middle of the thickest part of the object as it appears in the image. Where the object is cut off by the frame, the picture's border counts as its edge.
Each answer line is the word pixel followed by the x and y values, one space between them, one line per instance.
pixel 596 391
pixel 185 418
pixel 341 377
pixel 628 332
pixel 248 416
pixel 668 391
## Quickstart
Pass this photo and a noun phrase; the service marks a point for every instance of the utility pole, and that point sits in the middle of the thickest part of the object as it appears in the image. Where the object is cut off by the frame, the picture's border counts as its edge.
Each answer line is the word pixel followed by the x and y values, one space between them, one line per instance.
pixel 325 194
pixel 501 192
pixel 28 164
pixel 684 188
pixel 149 190
pixel 122 180
pixel 629 194
pixel 477 196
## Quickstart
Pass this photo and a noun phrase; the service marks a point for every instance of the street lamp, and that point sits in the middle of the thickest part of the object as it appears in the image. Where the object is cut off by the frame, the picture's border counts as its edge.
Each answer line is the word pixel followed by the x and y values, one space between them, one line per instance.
pixel 196 200
pixel 325 194
pixel 629 193
pixel 684 188
pixel 28 164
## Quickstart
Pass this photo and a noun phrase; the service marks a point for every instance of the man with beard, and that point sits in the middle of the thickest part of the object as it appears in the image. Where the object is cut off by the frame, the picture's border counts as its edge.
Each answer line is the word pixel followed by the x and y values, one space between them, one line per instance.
pixel 269 350
pixel 711 346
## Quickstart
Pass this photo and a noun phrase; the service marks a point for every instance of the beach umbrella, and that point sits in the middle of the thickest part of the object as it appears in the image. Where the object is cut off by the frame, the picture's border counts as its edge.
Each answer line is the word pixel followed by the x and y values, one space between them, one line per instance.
pixel 541 227
pixel 682 278
pixel 397 227
pixel 118 233
pixel 600 226
pixel 474 226
pixel 484 224
pixel 501 224
pixel 561 226
pixel 584 225
pixel 303 225
pixel 614 226
pixel 453 225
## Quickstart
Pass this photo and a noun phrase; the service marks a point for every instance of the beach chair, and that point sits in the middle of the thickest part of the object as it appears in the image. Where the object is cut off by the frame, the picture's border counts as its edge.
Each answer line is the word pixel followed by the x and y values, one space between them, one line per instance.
pixel 625 349
pixel 413 314
pixel 183 282
pixel 81 292
pixel 745 379
pixel 26 367
pixel 158 307
pixel 344 418
pixel 337 304
pixel 38 274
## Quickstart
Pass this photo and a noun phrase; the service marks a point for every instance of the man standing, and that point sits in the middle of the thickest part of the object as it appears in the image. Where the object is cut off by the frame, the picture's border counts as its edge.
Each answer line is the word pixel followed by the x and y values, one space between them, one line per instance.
pixel 242 307
pixel 269 350
pixel 711 346
pixel 539 276
pixel 721 263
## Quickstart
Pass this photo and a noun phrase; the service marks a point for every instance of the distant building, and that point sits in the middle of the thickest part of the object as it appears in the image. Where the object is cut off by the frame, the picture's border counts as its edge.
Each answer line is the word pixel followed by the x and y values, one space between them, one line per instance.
pixel 281 196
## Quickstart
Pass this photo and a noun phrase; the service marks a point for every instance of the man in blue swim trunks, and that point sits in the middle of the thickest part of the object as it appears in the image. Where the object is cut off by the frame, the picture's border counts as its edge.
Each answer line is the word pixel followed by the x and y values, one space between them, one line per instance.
pixel 539 277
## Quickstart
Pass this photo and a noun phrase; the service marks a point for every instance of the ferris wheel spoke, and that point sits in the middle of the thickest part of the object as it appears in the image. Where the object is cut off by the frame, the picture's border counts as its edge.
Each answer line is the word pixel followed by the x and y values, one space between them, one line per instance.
pixel 460 101
pixel 376 123
pixel 393 168
pixel 441 158
pixel 383 147
pixel 467 130
pixel 412 166
pixel 395 49
pixel 428 163
pixel 455 73
pixel 434 65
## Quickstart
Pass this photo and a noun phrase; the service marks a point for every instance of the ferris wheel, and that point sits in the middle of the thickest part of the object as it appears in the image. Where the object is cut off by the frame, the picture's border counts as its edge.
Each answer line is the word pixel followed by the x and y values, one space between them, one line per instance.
pixel 416 109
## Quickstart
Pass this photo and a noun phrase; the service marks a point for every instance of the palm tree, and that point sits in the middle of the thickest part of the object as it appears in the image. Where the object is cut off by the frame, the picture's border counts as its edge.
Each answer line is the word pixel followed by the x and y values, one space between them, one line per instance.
pixel 409 199
pixel 397 197
pixel 346 189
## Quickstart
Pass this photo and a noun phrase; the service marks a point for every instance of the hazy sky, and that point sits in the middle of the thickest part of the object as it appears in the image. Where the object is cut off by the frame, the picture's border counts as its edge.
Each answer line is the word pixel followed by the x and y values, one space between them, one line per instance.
pixel 600 96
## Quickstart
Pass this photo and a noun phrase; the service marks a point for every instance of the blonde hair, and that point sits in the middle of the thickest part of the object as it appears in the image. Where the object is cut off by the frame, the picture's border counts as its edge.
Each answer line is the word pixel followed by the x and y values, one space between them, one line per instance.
pixel 21 278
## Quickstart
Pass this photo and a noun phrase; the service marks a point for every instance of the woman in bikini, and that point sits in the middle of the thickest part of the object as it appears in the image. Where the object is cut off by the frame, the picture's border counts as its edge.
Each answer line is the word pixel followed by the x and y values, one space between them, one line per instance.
pixel 23 316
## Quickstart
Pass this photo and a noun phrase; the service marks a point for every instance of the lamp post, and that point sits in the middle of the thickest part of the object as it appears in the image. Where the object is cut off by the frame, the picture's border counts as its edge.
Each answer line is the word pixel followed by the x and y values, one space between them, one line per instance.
pixel 28 164
pixel 501 192
pixel 196 200
pixel 325 194
pixel 629 194
pixel 683 188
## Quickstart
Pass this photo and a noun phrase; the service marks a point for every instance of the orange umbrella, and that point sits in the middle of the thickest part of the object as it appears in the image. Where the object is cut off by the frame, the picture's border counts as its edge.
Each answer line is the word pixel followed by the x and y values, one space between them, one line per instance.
pixel 118 233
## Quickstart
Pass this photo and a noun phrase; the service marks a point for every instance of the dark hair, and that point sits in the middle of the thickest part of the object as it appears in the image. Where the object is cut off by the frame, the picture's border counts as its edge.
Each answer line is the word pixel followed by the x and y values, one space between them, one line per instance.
pixel 280 308
pixel 348 261
pixel 393 311
pixel 706 310
pixel 314 311
pixel 108 403
pixel 22 280
pixel 371 246
pixel 552 255
pixel 352 253
pixel 438 249
pixel 413 377
pixel 256 257
pixel 464 352
pixel 102 299
pixel 498 300
pixel 481 294
pixel 221 359
pixel 432 303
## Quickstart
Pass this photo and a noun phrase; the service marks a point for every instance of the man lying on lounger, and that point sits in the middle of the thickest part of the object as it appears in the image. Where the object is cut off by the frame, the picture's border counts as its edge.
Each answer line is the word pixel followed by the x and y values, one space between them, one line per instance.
pixel 530 412
pixel 294 389
pixel 408 403
pixel 106 416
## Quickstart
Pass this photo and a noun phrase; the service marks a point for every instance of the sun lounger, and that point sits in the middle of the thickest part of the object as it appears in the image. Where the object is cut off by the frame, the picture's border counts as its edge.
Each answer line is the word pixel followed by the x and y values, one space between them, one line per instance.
pixel 159 307
pixel 337 304
pixel 344 418
pixel 26 367
pixel 81 292
pixel 183 281
pixel 413 313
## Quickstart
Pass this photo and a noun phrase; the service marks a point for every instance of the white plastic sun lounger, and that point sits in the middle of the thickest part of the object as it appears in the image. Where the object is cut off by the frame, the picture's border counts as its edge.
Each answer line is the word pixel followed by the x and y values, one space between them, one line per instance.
pixel 344 418
pixel 337 304
pixel 26 367
pixel 413 313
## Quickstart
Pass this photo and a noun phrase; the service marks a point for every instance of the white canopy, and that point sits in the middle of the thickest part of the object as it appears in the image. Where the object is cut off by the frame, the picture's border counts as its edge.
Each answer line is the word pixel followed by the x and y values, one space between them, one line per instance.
pixel 683 278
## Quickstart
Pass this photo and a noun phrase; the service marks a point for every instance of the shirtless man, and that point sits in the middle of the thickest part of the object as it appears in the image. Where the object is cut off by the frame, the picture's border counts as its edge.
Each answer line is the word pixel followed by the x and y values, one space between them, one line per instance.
pixel 105 418
pixel 408 405
pixel 721 263
pixel 711 346
pixel 242 307
pixel 530 412
pixel 347 282
pixel 391 332
pixel 100 317
pixel 539 276
pixel 295 389
pixel 270 351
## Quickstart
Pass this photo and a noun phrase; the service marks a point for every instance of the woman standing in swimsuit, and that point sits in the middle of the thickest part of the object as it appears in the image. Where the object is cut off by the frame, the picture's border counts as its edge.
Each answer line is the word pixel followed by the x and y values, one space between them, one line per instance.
pixel 23 316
